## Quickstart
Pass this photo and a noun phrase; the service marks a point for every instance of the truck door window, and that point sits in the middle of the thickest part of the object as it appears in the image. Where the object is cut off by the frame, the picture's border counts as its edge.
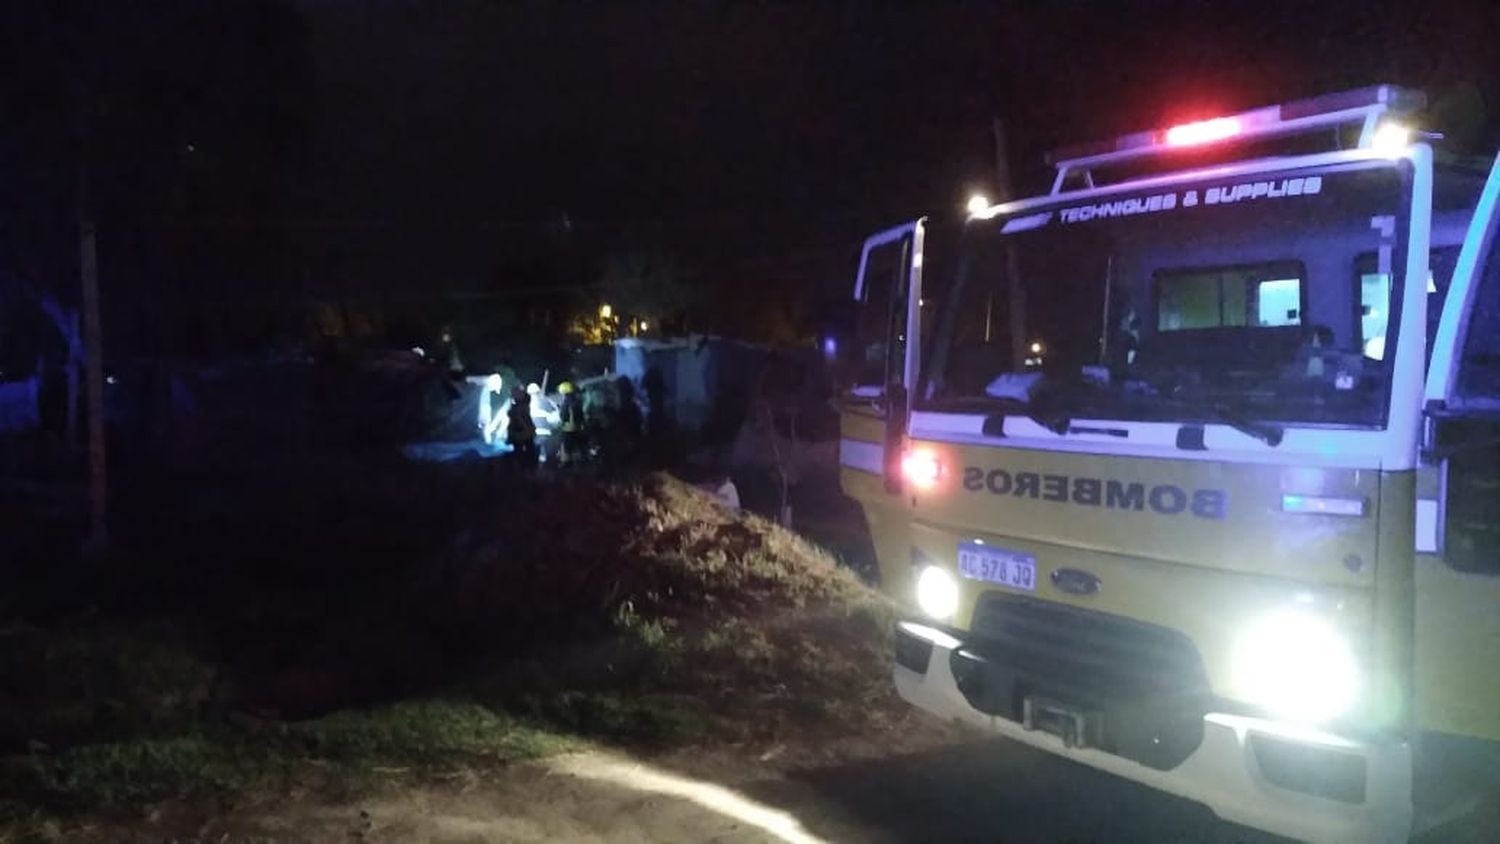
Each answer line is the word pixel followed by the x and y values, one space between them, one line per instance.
pixel 873 360
pixel 1439 276
pixel 1374 312
pixel 1375 297
pixel 1471 535
pixel 1479 366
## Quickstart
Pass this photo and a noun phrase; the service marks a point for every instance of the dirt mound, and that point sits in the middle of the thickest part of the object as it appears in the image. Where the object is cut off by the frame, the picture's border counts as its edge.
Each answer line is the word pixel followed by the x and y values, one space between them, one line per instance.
pixel 653 588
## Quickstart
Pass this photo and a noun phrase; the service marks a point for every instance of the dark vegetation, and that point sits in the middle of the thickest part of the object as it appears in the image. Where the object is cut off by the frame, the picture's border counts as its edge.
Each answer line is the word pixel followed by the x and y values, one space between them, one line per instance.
pixel 282 619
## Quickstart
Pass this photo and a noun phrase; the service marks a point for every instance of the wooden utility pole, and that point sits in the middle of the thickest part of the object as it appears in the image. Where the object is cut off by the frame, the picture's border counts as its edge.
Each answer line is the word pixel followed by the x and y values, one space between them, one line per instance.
pixel 97 539
pixel 1019 344
pixel 93 367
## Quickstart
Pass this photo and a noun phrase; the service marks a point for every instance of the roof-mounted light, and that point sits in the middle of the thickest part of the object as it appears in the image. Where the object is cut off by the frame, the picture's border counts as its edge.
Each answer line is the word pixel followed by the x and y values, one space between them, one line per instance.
pixel 1203 131
pixel 1391 139
pixel 1371 107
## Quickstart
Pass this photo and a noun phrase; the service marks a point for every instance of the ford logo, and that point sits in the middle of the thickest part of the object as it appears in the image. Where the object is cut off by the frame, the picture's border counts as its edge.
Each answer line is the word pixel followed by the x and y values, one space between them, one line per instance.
pixel 1075 582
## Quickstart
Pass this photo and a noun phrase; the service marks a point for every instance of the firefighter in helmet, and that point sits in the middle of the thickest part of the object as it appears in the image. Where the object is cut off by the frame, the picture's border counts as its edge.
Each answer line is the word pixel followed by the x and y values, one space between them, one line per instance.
pixel 520 429
pixel 571 423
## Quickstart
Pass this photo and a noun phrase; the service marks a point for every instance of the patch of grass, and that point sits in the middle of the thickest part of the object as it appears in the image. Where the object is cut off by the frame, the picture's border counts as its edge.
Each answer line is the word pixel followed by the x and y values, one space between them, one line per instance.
pixel 350 748
pixel 655 720
pixel 125 773
pixel 426 732
pixel 86 681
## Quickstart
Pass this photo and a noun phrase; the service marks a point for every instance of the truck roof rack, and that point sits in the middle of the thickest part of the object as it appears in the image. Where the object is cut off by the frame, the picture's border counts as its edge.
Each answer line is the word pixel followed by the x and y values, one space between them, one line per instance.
pixel 1365 106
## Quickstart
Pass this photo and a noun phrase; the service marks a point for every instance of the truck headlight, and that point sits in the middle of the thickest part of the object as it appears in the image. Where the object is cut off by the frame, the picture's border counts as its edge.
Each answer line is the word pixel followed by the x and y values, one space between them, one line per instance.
pixel 1297 665
pixel 937 592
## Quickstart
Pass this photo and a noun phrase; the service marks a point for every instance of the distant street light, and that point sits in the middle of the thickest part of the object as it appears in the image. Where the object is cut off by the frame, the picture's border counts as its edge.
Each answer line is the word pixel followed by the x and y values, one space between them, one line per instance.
pixel 643 325
pixel 605 311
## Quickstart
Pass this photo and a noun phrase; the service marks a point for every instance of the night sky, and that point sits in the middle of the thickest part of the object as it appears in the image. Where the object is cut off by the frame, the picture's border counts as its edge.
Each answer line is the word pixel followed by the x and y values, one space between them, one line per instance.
pixel 391 143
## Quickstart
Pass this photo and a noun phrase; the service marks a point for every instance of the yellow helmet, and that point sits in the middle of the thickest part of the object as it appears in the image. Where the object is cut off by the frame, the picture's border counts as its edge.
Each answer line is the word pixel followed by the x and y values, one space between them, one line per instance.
pixel 565 387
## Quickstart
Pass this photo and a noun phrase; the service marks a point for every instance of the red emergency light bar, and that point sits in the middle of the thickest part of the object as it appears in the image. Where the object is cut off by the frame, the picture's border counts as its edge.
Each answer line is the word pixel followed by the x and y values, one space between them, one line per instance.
pixel 1364 105
pixel 1202 132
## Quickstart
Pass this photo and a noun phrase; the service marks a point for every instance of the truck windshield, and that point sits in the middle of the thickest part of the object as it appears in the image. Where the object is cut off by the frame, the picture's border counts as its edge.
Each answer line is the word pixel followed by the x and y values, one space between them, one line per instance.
pixel 1267 298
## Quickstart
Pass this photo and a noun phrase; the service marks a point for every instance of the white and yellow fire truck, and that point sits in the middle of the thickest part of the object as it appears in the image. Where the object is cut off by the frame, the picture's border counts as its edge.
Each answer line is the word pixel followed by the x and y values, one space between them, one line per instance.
pixel 1189 470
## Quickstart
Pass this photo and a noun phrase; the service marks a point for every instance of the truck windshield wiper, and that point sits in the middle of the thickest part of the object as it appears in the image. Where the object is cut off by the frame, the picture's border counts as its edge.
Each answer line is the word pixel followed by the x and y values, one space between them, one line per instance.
pixel 1267 432
pixel 1002 407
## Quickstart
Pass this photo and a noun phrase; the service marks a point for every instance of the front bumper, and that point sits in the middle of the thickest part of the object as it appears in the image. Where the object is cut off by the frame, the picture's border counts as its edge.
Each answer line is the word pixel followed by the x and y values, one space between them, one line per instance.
pixel 1247 770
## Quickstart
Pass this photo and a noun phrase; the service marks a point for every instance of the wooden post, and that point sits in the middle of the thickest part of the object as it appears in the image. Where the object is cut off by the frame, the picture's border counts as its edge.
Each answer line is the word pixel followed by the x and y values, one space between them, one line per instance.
pixel 75 360
pixel 93 334
pixel 97 538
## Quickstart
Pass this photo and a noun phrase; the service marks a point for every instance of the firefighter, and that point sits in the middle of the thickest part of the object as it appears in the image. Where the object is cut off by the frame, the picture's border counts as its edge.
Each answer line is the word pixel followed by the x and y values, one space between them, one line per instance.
pixel 596 415
pixel 573 448
pixel 520 429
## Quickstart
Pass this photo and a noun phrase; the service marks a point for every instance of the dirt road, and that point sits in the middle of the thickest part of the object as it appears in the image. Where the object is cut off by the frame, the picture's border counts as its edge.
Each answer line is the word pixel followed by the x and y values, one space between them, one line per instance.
pixel 931 788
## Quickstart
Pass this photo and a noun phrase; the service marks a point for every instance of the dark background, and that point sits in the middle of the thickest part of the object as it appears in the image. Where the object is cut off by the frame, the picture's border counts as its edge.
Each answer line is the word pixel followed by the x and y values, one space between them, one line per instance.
pixel 250 161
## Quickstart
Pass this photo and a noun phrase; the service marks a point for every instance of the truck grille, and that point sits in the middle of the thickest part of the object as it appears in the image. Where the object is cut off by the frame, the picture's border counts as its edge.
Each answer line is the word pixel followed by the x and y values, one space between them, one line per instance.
pixel 1090 643
pixel 1143 686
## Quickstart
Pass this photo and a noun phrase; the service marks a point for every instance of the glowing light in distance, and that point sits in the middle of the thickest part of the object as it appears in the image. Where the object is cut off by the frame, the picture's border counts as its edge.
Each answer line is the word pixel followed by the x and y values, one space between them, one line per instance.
pixel 1036 348
pixel 605 311
pixel 937 593
pixel 1203 131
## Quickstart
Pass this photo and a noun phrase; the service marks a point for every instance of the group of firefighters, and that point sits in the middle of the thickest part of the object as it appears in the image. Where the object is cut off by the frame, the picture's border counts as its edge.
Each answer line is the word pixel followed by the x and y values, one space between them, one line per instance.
pixel 572 429
pixel 596 419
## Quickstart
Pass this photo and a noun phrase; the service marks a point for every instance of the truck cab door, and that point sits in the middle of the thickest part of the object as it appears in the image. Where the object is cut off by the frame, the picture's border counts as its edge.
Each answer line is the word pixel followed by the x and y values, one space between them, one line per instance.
pixel 1458 528
pixel 881 364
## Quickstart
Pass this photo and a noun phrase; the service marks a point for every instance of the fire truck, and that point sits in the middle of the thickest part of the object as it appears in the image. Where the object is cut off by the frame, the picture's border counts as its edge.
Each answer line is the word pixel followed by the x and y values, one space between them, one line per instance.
pixel 1189 469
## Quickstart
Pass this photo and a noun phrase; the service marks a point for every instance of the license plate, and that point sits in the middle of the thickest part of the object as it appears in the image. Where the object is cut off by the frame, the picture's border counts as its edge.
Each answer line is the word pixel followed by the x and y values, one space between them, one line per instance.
pixel 997 565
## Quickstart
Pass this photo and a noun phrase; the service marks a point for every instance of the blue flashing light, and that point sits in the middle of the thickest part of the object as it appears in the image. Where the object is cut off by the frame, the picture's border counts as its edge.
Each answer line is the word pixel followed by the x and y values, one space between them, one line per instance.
pixel 1322 505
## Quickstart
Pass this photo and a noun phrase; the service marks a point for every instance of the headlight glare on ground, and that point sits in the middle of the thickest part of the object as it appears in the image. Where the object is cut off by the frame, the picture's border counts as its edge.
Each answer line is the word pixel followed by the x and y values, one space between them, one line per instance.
pixel 937 592
pixel 1297 665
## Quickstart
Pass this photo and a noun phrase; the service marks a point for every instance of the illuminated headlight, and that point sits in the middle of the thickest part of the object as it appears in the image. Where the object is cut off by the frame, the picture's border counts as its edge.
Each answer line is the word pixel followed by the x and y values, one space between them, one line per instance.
pixel 937 592
pixel 1296 665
